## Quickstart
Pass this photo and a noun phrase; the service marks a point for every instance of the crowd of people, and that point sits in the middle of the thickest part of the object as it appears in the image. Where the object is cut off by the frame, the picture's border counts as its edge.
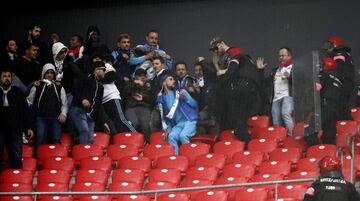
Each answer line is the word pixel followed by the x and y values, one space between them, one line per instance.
pixel 84 87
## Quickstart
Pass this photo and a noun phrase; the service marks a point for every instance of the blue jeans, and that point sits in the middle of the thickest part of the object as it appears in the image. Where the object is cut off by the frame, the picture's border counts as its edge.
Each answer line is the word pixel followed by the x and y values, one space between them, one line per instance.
pixel 282 113
pixel 181 133
pixel 83 124
pixel 45 125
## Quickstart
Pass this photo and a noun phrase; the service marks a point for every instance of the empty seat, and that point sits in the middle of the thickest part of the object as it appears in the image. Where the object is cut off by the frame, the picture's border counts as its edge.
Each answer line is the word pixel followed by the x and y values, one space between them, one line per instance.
pixel 290 154
pixel 102 139
pixel 228 148
pixel 209 173
pixel 193 150
pixel 158 185
pixel 53 176
pixel 93 176
pixel 321 150
pixel 155 151
pixel 230 180
pixel 29 164
pixel 343 139
pixel 66 140
pixel 303 175
pixel 134 198
pixel 56 198
pixel 15 187
pixel 194 183
pixel 295 142
pixel 124 187
pixel 95 198
pixel 227 135
pixel 157 138
pixel 51 150
pixel 135 162
pixel 167 175
pixel 175 162
pixel 291 191
pixel 174 197
pixel 264 145
pixel 254 123
pixel 211 160
pixel 128 175
pixel 239 170
pixel 16 198
pixel 275 167
pixel 117 151
pixel 81 151
pixel 275 132
pixel 133 138
pixel 251 194
pixel 27 152
pixel 52 187
pixel 96 163
pixel 248 157
pixel 267 177
pixel 308 164
pixel 88 187
pixel 16 176
pixel 205 138
pixel 355 114
pixel 217 195
pixel 347 162
pixel 59 163
pixel 347 126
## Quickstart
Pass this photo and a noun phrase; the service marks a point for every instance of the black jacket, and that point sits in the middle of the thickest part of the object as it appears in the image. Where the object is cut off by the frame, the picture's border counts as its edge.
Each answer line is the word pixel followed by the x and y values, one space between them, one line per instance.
pixel 16 116
pixel 27 70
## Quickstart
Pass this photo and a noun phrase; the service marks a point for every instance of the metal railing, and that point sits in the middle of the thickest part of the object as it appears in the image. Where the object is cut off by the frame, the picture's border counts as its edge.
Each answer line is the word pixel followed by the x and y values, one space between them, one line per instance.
pixel 156 192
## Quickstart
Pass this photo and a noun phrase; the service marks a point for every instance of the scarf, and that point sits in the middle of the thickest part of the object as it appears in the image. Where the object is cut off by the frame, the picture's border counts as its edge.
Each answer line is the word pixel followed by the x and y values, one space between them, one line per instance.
pixel 6 102
pixel 286 63
pixel 172 111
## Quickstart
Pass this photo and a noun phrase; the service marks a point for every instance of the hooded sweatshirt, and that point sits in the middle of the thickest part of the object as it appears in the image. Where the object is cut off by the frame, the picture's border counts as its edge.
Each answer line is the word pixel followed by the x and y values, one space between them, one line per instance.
pixel 56 48
pixel 50 98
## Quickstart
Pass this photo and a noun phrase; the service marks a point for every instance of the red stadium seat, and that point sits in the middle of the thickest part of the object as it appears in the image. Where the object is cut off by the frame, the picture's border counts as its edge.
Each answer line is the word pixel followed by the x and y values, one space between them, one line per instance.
pixel 67 140
pixel 93 176
pixel 248 157
pixel 53 176
pixel 275 167
pixel 228 148
pixel 29 164
pixel 194 183
pixel 157 138
pixel 26 149
pixel 209 173
pixel 308 164
pixel 52 187
pixel 175 162
pixel 56 198
pixel 158 185
pixel 290 154
pixel 135 162
pixel 16 198
pixel 134 198
pixel 96 163
pixel 59 163
pixel 81 151
pixel 264 145
pixel 272 132
pixel 102 139
pixel 193 150
pixel 205 138
pixel 343 139
pixel 299 130
pixel 166 175
pixel 256 122
pixel 267 177
pixel 282 199
pixel 133 138
pixel 88 187
pixel 15 187
pixel 117 151
pixel 251 194
pixel 95 198
pixel 347 162
pixel 321 150
pixel 128 175
pixel 347 126
pixel 303 175
pixel 174 197
pixel 51 150
pixel 228 135
pixel 355 114
pixel 291 191
pixel 16 176
pixel 155 151
pixel 230 180
pixel 295 142
pixel 124 186
pixel 211 160
pixel 239 170
pixel 211 196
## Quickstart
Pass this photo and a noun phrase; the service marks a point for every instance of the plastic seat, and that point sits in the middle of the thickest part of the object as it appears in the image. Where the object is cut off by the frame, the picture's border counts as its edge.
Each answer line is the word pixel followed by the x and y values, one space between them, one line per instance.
pixel 205 138
pixel 211 160
pixel 275 167
pixel 16 198
pixel 194 183
pixel 95 198
pixel 158 185
pixel 321 150
pixel 299 130
pixel 175 162
pixel 211 196
pixel 342 139
pixel 263 145
pixel 239 170
pixel 66 140
pixel 27 152
pixel 135 198
pixel 157 138
pixel 93 176
pixel 166 175
pixel 228 148
pixel 228 135
pixel 209 173
pixel 51 150
pixel 254 123
pixel 248 157
pixel 88 187
pixel 29 164
pixel 295 142
pixel 193 150
pixel 267 177
pixel 303 175
pixel 15 187
pixel 347 126
pixel 282 199
pixel 96 163
pixel 230 180
pixel 174 197
pixel 102 139
pixel 59 163
pixel 133 138
pixel 52 187
pixel 56 198
pixel 117 151
pixel 53 176
pixel 355 114
pixel 81 151
pixel 124 187
pixel 16 176
pixel 291 191
pixel 128 175
pixel 251 194
pixel 308 164
pixel 155 151
pixel 347 162
pixel 135 162
pixel 289 154
pixel 273 132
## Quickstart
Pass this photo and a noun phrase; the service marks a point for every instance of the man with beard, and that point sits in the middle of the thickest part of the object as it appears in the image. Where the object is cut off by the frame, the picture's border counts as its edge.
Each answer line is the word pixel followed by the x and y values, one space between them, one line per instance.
pixel 15 119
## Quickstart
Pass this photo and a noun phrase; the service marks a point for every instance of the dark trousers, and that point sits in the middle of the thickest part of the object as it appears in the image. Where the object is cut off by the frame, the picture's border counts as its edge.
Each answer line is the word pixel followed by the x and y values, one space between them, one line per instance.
pixel 114 110
pixel 140 117
pixel 13 142
pixel 328 121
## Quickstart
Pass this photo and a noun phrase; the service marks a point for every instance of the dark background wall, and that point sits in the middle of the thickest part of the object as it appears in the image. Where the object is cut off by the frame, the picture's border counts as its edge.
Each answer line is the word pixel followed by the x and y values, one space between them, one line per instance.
pixel 259 27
